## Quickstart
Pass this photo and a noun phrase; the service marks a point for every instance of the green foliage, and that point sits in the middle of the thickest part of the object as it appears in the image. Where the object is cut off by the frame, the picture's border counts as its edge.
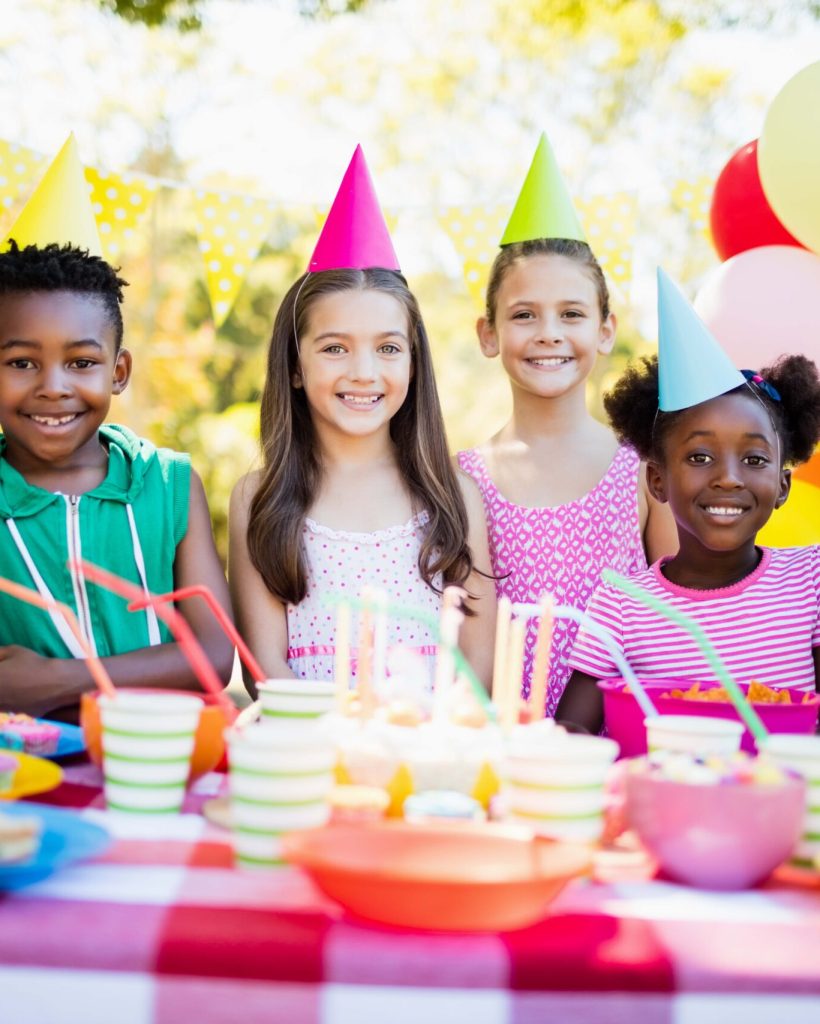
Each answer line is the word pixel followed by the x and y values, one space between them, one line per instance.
pixel 184 15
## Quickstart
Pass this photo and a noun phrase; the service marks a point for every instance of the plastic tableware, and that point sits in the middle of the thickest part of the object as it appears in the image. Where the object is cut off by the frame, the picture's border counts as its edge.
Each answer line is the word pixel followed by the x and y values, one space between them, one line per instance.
pixel 34 775
pixel 65 838
pixel 625 720
pixel 802 754
pixel 722 836
pixel 147 741
pixel 209 742
pixel 296 700
pixel 444 876
pixel 693 735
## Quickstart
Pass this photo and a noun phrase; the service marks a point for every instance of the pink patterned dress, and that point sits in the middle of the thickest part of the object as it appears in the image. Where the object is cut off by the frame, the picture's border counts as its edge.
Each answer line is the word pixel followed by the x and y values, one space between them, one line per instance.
pixel 562 550
pixel 341 562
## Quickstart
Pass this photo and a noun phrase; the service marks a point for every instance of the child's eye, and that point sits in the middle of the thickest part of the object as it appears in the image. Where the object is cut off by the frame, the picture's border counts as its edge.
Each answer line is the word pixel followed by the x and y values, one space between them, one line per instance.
pixel 20 364
pixel 699 458
pixel 573 314
pixel 756 460
pixel 333 350
pixel 522 314
pixel 390 348
pixel 83 364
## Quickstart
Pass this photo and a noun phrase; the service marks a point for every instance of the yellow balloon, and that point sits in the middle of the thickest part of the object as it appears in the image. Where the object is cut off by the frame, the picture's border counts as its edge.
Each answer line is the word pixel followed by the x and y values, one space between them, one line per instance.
pixel 788 156
pixel 797 523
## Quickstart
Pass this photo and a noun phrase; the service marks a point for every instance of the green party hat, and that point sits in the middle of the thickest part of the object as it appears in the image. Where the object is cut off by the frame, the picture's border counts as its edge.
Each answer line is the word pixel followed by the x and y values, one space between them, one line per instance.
pixel 544 208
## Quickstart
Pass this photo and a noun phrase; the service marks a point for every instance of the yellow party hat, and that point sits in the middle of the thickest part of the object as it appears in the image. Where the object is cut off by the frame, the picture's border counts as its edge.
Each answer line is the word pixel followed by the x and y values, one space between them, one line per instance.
pixel 59 210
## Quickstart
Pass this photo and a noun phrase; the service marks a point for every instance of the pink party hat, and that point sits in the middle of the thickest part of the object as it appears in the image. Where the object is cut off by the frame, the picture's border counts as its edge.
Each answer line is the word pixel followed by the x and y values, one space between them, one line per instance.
pixel 354 236
pixel 692 367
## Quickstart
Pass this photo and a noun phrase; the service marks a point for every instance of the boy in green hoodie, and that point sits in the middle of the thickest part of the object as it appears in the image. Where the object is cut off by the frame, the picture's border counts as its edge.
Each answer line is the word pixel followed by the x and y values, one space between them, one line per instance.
pixel 72 486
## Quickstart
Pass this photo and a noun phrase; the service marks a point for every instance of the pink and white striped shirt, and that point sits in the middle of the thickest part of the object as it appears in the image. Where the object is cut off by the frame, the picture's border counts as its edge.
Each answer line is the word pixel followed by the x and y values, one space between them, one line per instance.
pixel 765 627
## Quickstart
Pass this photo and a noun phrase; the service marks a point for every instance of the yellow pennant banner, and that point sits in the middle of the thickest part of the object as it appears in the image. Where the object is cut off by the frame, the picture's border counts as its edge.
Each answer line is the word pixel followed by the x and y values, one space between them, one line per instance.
pixel 610 223
pixel 120 201
pixel 20 170
pixel 694 199
pixel 231 229
pixel 474 232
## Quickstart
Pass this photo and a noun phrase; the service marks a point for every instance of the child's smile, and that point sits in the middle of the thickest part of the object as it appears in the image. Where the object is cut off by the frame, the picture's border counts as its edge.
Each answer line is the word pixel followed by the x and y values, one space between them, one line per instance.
pixel 721 474
pixel 58 371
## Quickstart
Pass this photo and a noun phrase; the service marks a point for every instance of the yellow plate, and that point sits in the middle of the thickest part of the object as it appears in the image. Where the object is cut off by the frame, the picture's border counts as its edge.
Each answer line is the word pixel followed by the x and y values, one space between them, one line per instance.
pixel 34 775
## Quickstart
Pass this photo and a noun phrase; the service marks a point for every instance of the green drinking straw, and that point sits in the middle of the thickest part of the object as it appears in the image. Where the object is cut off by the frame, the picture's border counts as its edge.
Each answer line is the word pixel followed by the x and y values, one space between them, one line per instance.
pixel 738 697
pixel 402 611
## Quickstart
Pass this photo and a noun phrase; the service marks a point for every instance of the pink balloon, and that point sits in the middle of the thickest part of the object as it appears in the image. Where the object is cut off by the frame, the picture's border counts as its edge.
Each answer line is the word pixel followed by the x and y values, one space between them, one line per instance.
pixel 764 303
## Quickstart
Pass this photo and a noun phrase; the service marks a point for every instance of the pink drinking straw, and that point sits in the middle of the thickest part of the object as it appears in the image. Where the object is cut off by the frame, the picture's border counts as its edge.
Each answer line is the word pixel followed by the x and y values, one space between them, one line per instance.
pixel 95 666
pixel 221 616
pixel 183 634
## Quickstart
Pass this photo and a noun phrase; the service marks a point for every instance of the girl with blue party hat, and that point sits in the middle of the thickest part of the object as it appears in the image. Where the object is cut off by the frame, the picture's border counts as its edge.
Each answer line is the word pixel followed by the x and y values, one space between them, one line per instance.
pixel 719 443
pixel 563 499
pixel 357 488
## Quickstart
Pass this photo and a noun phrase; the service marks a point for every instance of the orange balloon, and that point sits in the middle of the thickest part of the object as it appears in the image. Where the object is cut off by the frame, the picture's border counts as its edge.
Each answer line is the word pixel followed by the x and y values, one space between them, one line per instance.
pixel 809 471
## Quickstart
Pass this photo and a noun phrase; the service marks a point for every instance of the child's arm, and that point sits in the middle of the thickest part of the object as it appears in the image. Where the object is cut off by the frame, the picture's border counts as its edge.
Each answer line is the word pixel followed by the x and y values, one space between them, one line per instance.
pixel 36 685
pixel 581 703
pixel 478 630
pixel 261 617
pixel 660 534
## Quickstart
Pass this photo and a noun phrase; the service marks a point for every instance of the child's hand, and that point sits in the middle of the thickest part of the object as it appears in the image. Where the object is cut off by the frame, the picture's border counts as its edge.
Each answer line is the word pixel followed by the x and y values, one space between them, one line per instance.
pixel 25 683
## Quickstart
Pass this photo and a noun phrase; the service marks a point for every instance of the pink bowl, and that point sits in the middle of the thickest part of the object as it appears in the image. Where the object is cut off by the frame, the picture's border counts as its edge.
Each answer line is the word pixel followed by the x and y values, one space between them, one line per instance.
pixel 624 718
pixel 724 836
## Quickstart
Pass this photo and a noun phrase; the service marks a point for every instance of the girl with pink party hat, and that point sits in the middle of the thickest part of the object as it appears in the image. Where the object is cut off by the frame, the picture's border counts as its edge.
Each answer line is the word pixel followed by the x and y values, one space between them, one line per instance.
pixel 718 443
pixel 357 488
pixel 563 499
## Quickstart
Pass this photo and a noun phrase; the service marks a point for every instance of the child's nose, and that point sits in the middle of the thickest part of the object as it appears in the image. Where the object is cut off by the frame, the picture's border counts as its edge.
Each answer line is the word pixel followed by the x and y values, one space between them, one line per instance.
pixel 728 474
pixel 52 381
pixel 363 366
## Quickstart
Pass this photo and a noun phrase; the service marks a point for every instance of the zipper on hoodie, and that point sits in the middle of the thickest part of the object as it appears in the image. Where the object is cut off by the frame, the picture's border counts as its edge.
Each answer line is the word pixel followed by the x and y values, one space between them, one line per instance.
pixel 75 553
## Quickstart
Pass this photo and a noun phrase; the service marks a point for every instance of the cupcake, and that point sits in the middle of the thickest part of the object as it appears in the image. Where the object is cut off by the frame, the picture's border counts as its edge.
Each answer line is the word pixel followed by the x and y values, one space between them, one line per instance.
pixel 38 737
pixel 355 804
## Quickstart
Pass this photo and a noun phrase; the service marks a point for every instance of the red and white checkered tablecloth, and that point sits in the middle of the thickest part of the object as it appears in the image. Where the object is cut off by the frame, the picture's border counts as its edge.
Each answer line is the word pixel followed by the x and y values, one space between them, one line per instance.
pixel 163 929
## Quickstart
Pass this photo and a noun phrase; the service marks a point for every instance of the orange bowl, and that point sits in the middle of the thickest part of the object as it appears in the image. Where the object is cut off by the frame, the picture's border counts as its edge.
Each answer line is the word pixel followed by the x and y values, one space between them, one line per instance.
pixel 209 744
pixel 443 876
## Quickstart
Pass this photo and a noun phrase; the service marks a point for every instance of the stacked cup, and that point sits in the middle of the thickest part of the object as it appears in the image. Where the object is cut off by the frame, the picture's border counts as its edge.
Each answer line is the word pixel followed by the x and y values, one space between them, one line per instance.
pixel 147 741
pixel 296 700
pixel 693 734
pixel 280 780
pixel 557 786
pixel 801 754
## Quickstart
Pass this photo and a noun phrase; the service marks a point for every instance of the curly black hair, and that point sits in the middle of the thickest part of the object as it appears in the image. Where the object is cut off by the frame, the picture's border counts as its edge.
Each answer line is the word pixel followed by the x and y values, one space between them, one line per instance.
pixel 632 407
pixel 63 268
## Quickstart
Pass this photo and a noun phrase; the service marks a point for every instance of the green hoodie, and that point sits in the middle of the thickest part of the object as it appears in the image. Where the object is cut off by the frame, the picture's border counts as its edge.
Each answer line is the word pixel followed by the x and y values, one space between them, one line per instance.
pixel 155 483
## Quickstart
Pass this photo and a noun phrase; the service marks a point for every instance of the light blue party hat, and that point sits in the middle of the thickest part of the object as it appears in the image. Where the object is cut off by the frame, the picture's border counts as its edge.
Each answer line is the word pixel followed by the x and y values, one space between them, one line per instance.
pixel 692 367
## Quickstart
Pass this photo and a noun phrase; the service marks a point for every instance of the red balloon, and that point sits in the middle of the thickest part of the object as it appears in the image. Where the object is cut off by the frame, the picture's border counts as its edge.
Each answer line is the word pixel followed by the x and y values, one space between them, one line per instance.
pixel 740 215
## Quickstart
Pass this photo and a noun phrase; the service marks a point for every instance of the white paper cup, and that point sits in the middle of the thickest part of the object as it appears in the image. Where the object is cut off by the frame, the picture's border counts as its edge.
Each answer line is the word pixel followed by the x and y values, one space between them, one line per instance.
pixel 296 700
pixel 558 789
pixel 801 753
pixel 693 734
pixel 147 741
pixel 280 779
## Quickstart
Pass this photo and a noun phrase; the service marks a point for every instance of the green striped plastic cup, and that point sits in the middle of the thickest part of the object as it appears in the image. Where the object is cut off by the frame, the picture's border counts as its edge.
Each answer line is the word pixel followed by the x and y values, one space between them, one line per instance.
pixel 801 753
pixel 147 741
pixel 279 779
pixel 296 701
pixel 558 788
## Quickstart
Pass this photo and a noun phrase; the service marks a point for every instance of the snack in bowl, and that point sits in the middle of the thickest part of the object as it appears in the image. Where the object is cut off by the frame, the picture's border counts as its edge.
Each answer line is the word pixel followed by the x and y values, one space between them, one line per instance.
pixel 758 693
pixel 19 838
pixel 714 822
pixel 37 737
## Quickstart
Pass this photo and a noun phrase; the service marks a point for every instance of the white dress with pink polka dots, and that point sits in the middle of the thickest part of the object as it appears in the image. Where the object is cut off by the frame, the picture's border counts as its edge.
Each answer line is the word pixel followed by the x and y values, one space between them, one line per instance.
pixel 341 563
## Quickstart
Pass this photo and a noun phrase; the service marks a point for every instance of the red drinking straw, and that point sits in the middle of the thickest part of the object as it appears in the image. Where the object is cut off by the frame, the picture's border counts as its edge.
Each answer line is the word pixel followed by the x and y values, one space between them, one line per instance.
pixel 221 616
pixel 95 666
pixel 182 632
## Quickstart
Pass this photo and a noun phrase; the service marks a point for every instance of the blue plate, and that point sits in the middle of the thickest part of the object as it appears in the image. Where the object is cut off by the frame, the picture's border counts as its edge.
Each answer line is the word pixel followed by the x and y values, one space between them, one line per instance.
pixel 71 740
pixel 66 837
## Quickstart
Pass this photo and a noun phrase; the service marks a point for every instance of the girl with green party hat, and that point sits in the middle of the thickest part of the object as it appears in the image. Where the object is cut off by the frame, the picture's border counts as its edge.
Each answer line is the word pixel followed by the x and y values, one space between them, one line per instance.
pixel 563 499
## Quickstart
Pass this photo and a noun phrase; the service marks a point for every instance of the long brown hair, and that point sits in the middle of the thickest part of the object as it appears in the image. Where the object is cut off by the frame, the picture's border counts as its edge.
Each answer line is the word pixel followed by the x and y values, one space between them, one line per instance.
pixel 292 469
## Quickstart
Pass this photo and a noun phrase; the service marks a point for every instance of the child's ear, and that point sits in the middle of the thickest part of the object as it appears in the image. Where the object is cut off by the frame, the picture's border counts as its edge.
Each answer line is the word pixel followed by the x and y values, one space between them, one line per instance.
pixel 122 372
pixel 785 487
pixel 487 338
pixel 296 379
pixel 607 339
pixel 656 481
